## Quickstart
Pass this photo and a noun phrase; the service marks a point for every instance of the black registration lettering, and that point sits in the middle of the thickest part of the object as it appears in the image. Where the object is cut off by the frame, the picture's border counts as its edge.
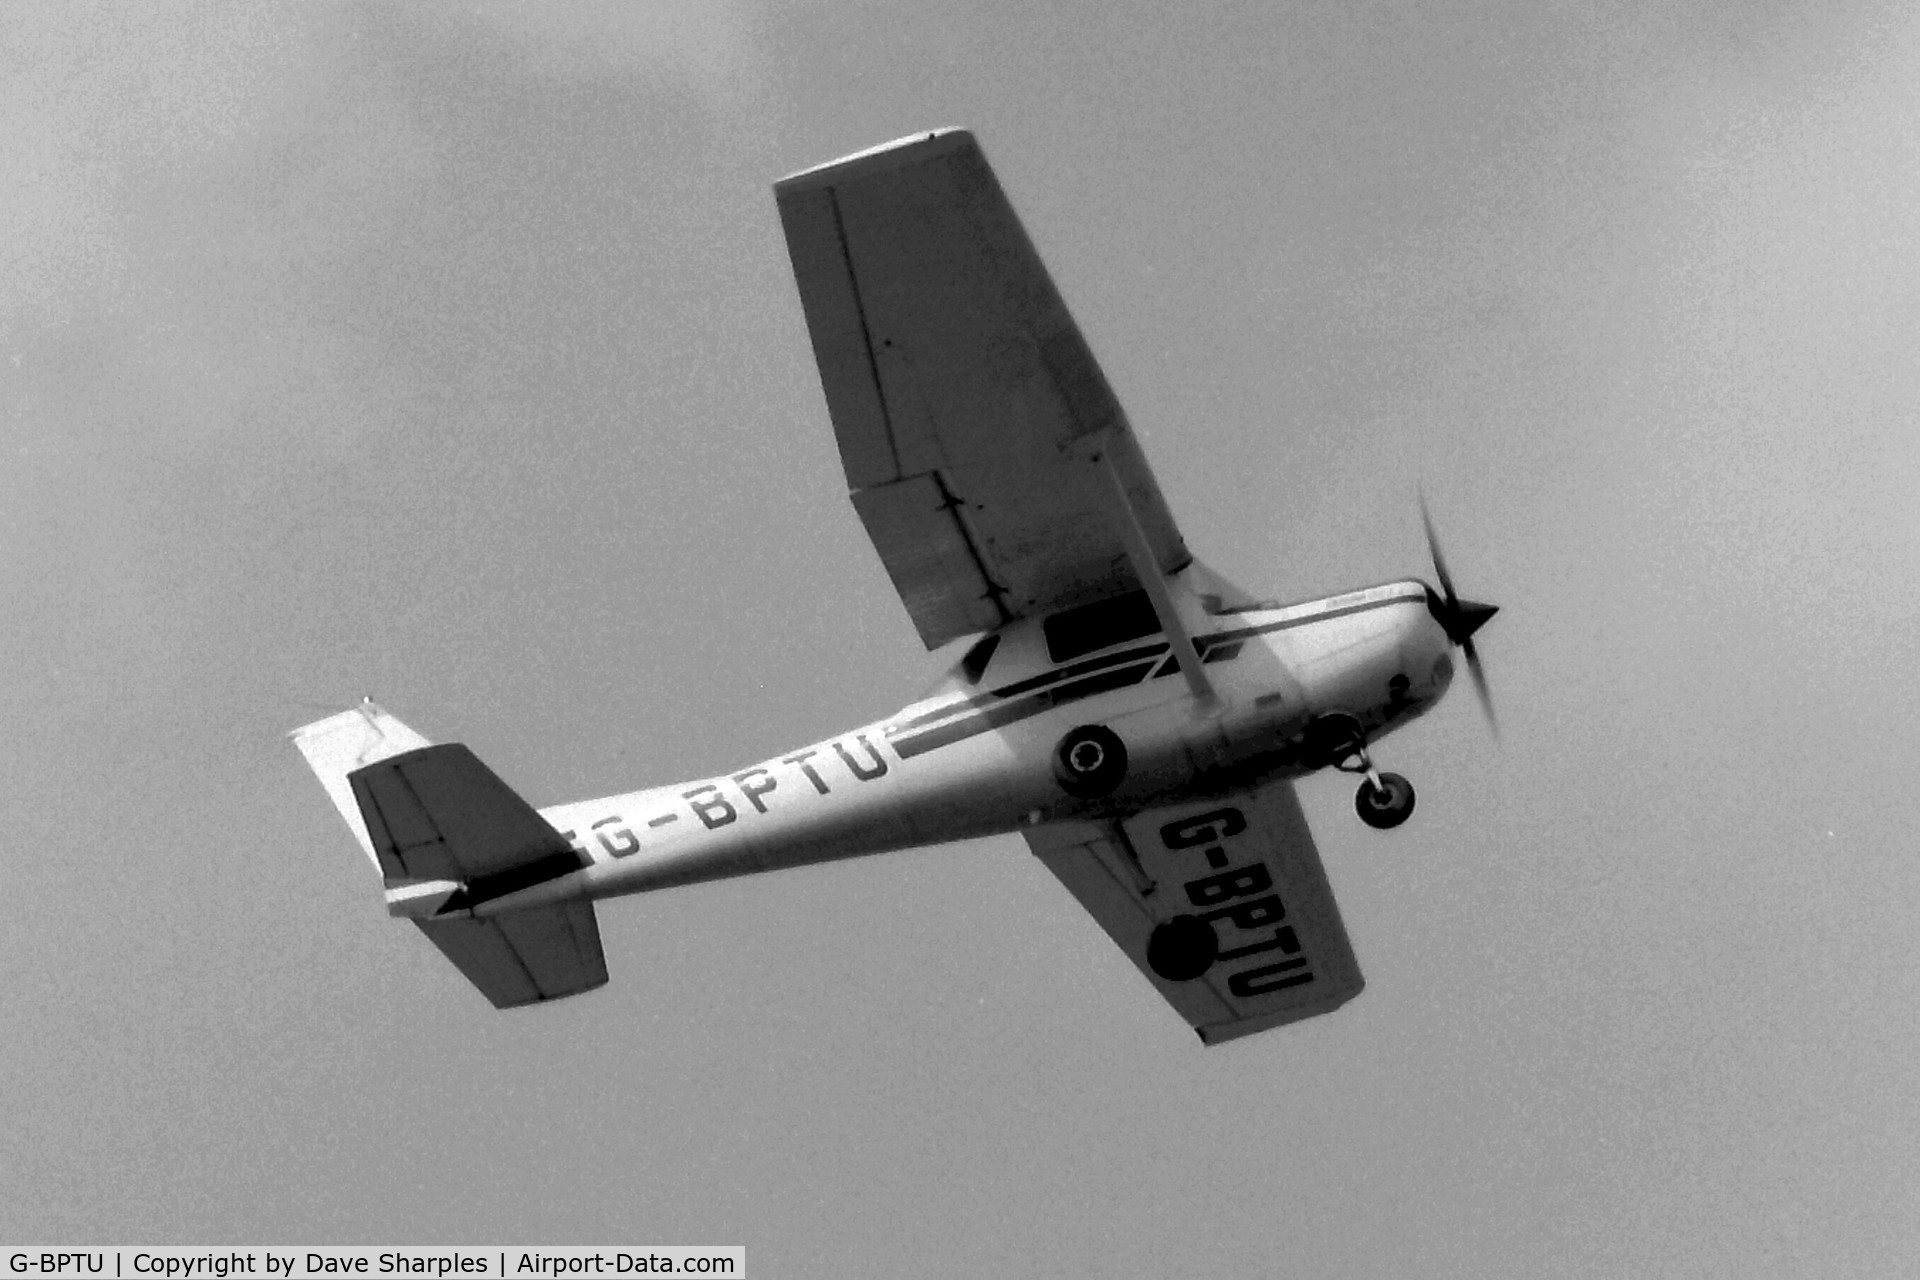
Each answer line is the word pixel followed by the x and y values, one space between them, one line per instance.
pixel 620 841
pixel 1269 978
pixel 1284 940
pixel 1206 828
pixel 1240 882
pixel 876 769
pixel 1257 914
pixel 800 758
pixel 710 806
pixel 746 780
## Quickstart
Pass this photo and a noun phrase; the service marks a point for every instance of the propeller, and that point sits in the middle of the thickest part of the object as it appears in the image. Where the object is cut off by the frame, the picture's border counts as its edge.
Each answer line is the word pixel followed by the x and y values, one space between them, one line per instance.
pixel 1459 618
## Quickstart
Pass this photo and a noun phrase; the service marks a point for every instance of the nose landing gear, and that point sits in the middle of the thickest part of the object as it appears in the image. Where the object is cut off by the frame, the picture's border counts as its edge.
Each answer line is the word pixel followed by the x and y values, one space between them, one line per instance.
pixel 1384 800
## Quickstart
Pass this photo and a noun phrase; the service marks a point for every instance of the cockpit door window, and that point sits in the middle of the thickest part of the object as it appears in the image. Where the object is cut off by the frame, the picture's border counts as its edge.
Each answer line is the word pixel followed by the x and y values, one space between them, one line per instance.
pixel 1081 631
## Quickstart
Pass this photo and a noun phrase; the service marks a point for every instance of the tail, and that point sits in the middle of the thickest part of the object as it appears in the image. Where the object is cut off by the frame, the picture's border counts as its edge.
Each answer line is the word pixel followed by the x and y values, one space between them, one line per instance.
pixel 447 837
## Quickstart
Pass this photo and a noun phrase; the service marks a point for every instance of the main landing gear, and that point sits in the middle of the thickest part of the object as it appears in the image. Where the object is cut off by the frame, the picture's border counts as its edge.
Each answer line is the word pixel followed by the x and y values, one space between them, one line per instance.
pixel 1384 800
pixel 1090 762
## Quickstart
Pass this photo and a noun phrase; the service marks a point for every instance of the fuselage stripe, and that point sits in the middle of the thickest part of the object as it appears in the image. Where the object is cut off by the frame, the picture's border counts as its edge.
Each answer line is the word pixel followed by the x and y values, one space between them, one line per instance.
pixel 908 742
pixel 1036 694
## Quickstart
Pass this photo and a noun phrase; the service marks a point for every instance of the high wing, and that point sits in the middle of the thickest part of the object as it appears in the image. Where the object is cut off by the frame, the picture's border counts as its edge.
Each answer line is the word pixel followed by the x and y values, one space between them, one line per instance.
pixel 958 386
pixel 1223 904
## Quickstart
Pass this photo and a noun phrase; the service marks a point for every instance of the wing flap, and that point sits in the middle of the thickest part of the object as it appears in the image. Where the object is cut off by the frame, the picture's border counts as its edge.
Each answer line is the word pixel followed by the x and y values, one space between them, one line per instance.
pixel 928 553
pixel 1222 904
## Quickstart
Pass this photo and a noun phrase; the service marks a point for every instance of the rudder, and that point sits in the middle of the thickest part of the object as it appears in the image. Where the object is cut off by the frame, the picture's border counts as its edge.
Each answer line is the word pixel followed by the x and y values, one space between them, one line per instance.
pixel 447 836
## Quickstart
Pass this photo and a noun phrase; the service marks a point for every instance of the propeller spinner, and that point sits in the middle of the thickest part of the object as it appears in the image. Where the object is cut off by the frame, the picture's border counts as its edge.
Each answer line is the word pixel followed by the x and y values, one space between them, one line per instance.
pixel 1459 618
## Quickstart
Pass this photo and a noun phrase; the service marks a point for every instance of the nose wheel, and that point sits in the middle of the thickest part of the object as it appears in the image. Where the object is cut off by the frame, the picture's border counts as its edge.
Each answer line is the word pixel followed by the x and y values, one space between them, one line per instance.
pixel 1384 800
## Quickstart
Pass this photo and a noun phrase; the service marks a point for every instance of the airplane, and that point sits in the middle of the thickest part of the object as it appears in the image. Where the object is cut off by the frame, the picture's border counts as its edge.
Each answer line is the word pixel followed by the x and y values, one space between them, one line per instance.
pixel 1136 718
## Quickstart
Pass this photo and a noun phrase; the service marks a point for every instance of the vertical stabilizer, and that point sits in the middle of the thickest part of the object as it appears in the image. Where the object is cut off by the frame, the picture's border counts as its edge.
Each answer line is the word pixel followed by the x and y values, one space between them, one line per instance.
pixel 338 745
pixel 448 836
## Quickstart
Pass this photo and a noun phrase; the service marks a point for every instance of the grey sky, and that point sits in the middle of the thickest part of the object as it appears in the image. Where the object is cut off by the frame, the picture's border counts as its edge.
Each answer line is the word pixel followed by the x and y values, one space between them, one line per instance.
pixel 449 354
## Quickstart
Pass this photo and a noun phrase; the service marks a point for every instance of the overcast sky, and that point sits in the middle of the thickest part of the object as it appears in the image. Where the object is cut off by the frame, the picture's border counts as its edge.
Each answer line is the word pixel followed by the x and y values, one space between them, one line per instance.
pixel 450 354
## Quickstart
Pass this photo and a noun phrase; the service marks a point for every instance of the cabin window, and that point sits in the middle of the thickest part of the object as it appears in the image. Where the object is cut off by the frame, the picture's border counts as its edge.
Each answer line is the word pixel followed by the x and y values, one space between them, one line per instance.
pixel 974 665
pixel 1095 626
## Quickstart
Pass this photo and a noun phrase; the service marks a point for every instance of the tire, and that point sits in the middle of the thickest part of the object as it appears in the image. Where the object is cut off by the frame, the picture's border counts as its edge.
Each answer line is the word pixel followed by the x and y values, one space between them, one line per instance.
pixel 1090 762
pixel 1386 807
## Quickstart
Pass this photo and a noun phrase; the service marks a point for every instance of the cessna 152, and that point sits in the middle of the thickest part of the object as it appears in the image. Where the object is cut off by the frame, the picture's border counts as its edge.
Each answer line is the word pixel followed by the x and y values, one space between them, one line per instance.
pixel 1135 718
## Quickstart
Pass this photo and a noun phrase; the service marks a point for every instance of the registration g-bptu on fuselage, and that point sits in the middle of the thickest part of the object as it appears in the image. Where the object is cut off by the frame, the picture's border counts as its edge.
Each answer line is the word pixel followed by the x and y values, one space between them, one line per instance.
pixel 1134 717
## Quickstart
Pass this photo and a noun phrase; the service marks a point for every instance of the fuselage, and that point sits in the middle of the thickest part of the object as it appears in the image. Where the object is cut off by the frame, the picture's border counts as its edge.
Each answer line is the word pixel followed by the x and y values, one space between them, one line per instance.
pixel 975 755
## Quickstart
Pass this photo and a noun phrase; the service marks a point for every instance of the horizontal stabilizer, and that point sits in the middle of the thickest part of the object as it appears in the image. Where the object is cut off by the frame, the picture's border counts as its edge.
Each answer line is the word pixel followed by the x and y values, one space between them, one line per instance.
pixel 524 957
pixel 448 835
pixel 438 813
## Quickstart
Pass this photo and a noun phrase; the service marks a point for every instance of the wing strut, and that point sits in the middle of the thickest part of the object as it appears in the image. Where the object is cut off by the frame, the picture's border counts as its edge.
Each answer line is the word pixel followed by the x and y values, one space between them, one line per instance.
pixel 1140 551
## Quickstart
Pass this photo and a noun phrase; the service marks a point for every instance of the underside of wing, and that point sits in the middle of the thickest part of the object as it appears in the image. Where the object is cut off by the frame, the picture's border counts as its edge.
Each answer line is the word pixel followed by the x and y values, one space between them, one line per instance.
pixel 959 385
pixel 1223 904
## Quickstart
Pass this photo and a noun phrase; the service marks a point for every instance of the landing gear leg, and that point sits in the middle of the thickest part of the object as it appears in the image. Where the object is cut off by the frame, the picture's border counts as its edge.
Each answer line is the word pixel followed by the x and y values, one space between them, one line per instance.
pixel 1384 800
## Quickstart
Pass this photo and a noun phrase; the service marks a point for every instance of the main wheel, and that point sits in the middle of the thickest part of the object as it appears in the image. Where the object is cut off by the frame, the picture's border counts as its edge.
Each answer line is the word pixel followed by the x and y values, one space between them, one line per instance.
pixel 1387 805
pixel 1090 761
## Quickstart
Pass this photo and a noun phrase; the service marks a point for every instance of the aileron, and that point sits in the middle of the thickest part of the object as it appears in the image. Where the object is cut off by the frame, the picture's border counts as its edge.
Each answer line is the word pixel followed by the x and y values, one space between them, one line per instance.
pixel 933 561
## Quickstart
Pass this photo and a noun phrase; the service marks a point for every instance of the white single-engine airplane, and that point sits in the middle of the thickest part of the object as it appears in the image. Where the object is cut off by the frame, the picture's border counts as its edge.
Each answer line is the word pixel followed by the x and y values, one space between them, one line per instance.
pixel 1135 718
